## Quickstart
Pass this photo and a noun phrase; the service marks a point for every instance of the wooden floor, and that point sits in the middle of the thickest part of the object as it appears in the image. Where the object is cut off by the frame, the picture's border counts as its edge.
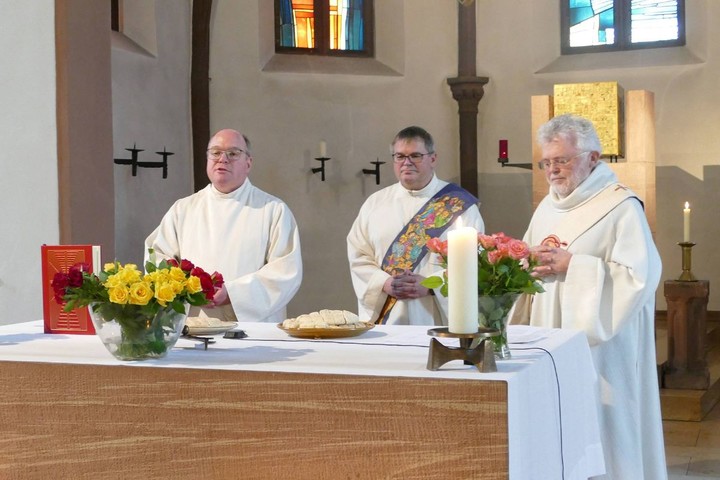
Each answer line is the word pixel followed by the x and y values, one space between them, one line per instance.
pixel 693 448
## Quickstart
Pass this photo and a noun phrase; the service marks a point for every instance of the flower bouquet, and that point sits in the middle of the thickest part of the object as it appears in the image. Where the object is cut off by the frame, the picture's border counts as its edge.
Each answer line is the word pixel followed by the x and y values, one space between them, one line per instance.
pixel 137 315
pixel 504 272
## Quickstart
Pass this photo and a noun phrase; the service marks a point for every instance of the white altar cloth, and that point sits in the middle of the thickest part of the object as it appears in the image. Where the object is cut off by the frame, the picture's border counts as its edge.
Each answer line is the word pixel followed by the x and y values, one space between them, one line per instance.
pixel 552 397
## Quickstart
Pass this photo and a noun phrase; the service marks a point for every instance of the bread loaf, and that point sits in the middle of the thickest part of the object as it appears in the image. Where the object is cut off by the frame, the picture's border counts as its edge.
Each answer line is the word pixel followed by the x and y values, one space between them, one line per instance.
pixel 325 319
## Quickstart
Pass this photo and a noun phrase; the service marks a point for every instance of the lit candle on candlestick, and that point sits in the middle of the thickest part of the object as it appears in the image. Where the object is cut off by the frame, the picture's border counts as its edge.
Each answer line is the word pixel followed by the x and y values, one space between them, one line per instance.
pixel 323 149
pixel 686 223
pixel 503 153
pixel 462 280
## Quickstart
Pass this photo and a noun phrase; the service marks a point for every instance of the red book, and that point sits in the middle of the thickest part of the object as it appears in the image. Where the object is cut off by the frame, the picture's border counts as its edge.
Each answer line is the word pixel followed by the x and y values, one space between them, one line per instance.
pixel 59 258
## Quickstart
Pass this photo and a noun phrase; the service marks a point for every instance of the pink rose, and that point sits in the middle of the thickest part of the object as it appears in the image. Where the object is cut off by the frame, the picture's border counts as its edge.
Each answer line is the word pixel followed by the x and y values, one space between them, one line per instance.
pixel 517 249
pixel 494 256
pixel 486 241
pixel 438 246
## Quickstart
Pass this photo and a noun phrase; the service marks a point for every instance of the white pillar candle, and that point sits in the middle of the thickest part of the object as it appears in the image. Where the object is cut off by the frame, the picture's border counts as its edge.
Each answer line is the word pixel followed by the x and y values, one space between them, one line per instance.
pixel 323 149
pixel 686 222
pixel 462 280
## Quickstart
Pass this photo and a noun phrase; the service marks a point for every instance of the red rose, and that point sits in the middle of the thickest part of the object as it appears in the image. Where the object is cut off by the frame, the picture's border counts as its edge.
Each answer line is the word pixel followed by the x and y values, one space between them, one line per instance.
pixel 217 279
pixel 207 286
pixel 186 265
pixel 75 276
pixel 59 284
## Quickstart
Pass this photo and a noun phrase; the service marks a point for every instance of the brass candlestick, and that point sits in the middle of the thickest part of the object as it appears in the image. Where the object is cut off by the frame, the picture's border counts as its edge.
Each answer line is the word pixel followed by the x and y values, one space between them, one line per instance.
pixel 481 355
pixel 686 275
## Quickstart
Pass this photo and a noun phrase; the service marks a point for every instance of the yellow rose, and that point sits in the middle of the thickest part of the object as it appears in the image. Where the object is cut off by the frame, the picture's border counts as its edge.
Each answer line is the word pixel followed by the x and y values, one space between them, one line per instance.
pixel 140 293
pixel 177 274
pixel 193 284
pixel 108 267
pixel 153 277
pixel 164 293
pixel 160 276
pixel 129 274
pixel 118 294
pixel 114 281
pixel 177 287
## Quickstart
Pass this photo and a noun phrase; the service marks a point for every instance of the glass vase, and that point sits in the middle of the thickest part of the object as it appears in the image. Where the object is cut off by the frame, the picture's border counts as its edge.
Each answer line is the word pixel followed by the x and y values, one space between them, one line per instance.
pixel 131 333
pixel 493 311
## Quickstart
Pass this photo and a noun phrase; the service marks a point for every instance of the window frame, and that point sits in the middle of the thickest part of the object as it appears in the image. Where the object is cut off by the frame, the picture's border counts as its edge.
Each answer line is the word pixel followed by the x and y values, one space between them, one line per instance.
pixel 622 31
pixel 322 39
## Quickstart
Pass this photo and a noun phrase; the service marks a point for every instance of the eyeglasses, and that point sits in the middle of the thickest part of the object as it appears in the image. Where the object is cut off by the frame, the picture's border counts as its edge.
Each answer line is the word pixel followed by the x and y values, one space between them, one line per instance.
pixel 233 154
pixel 559 161
pixel 415 157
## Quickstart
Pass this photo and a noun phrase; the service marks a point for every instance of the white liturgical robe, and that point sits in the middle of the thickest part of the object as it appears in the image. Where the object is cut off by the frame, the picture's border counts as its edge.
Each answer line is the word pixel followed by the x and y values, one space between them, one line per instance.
pixel 382 217
pixel 247 235
pixel 608 292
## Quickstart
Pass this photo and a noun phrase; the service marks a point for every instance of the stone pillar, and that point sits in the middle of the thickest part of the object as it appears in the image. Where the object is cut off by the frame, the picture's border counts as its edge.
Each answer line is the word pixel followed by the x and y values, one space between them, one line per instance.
pixel 686 366
pixel 467 90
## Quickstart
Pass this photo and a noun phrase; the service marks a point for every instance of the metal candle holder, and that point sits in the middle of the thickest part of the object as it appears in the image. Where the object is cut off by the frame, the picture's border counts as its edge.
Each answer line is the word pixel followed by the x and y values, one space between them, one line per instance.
pixel 504 162
pixel 481 355
pixel 375 171
pixel 135 163
pixel 686 275
pixel 321 168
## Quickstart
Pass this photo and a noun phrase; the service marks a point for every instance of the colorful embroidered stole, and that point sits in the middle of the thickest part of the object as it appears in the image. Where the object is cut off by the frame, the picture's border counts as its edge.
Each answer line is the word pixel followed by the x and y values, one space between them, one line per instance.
pixel 433 218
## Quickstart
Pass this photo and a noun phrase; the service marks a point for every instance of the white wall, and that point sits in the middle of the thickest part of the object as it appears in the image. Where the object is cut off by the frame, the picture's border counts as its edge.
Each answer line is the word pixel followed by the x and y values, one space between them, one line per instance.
pixel 28 154
pixel 151 110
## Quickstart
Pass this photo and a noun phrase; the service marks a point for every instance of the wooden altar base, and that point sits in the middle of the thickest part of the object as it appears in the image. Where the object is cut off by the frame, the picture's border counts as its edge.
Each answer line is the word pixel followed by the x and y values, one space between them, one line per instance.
pixel 693 405
pixel 116 422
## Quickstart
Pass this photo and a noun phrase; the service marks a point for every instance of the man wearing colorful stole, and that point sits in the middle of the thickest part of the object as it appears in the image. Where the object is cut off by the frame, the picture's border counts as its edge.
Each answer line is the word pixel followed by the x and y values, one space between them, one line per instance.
pixel 601 268
pixel 386 244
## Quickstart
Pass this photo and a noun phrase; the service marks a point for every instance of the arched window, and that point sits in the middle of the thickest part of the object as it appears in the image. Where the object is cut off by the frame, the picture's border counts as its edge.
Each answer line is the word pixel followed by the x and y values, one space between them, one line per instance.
pixel 324 27
pixel 612 25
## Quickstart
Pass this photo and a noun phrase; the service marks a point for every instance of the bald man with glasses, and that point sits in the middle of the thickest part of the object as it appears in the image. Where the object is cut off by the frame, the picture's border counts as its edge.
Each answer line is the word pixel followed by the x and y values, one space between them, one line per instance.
pixel 234 228
pixel 386 244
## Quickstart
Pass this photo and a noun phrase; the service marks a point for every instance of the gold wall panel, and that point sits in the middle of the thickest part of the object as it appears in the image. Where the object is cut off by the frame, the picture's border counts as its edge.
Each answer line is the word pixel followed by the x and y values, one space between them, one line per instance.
pixel 601 103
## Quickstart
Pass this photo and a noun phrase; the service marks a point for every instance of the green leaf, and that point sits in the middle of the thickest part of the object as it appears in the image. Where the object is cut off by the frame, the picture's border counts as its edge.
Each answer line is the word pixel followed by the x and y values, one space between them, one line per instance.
pixel 178 306
pixel 432 282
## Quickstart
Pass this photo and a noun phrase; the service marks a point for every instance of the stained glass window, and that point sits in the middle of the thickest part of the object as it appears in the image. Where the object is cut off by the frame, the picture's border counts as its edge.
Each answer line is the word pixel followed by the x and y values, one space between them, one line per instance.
pixel 605 25
pixel 324 27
